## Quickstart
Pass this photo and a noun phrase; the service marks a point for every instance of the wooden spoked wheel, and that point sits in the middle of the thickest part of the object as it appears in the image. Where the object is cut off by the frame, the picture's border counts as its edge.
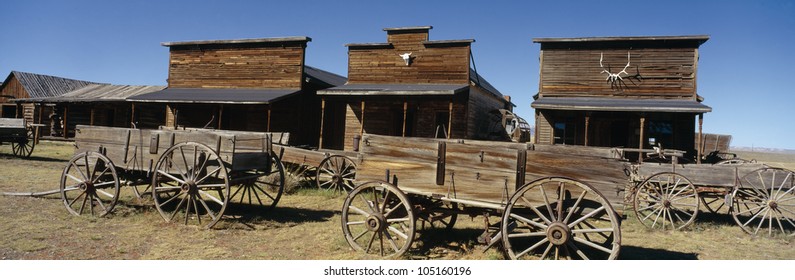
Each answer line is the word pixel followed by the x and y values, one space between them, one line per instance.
pixel 733 161
pixel 336 173
pixel 714 203
pixel 89 185
pixel 666 200
pixel 378 219
pixel 764 202
pixel 190 185
pixel 438 214
pixel 260 188
pixel 24 146
pixel 142 191
pixel 560 218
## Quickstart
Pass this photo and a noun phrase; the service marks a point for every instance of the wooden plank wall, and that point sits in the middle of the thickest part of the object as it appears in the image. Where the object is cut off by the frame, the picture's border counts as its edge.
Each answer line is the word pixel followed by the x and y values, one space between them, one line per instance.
pixel 277 65
pixel 443 64
pixel 666 73
pixel 14 89
pixel 483 118
pixel 543 128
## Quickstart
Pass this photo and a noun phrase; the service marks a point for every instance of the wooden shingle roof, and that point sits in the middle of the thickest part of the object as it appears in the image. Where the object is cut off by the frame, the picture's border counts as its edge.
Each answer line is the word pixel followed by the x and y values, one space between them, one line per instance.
pixel 43 86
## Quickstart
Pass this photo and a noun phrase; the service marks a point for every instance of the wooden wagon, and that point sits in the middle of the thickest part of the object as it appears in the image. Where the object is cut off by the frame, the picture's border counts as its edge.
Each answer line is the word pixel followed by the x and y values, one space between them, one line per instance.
pixel 329 169
pixel 193 175
pixel 19 134
pixel 550 200
pixel 760 199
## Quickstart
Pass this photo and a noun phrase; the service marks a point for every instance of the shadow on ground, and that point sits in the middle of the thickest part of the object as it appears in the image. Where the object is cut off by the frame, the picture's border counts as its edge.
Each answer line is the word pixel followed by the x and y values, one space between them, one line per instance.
pixel 640 253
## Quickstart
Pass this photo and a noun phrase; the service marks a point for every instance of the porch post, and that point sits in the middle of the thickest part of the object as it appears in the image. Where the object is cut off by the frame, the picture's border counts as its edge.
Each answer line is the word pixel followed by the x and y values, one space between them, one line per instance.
pixel 450 121
pixel 700 138
pixel 220 114
pixel 268 124
pixel 405 107
pixel 65 124
pixel 132 115
pixel 361 129
pixel 587 125
pixel 640 143
pixel 322 116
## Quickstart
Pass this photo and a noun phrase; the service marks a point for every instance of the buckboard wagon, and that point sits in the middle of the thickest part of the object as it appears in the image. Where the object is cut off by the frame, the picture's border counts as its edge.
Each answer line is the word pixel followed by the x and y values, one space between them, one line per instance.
pixel 552 201
pixel 761 199
pixel 192 175
pixel 19 134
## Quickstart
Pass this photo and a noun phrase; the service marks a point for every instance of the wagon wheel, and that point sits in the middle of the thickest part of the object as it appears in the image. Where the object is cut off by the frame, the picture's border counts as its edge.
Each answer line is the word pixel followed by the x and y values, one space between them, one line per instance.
pixel 378 219
pixel 89 185
pixel 732 161
pixel 142 191
pixel 190 185
pixel 439 215
pixel 713 203
pixel 666 200
pixel 764 201
pixel 24 147
pixel 560 218
pixel 336 173
pixel 261 188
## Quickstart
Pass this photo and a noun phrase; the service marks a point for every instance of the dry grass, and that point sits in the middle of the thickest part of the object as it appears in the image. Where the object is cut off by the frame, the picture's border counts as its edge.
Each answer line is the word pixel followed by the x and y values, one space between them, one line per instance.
pixel 305 226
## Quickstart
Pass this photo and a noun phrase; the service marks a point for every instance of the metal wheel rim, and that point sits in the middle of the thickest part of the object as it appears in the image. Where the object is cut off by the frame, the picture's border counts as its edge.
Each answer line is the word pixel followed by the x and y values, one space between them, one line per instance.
pixel 86 190
pixel 336 173
pixel 24 149
pixel 763 202
pixel 560 218
pixel 378 219
pixel 183 179
pixel 261 188
pixel 666 200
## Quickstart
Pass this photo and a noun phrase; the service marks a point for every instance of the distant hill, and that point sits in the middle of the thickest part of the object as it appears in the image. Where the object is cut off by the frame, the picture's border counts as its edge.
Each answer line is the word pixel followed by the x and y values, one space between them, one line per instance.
pixel 763 150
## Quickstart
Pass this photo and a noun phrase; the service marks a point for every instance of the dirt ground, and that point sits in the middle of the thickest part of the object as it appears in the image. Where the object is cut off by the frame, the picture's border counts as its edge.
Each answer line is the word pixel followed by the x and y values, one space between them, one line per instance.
pixel 304 226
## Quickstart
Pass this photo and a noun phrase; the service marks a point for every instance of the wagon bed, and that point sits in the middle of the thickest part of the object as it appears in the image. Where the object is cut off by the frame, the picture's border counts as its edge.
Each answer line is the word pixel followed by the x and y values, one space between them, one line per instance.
pixel 760 199
pixel 192 175
pixel 549 199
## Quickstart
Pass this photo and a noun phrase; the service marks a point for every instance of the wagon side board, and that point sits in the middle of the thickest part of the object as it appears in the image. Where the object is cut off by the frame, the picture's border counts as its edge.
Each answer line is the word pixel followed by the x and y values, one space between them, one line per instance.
pixel 701 175
pixel 139 149
pixel 481 171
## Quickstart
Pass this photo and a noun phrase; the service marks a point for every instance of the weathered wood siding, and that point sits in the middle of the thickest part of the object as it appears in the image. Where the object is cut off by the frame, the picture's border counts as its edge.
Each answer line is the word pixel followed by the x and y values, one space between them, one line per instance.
pixel 431 63
pixel 543 128
pixel 13 90
pixel 260 65
pixel 652 73
pixel 483 118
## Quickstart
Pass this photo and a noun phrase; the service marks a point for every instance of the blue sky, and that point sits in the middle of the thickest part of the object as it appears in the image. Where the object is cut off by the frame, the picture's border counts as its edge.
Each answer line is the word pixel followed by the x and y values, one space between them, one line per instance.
pixel 745 70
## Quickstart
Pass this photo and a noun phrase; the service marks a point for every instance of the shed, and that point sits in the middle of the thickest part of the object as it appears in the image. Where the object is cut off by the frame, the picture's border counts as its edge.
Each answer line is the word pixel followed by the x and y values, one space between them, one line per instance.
pixel 19 86
pixel 631 92
pixel 411 86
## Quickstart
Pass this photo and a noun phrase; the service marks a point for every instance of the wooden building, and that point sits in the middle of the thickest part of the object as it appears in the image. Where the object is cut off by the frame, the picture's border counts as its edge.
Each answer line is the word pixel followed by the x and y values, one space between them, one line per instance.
pixel 94 104
pixel 249 84
pixel 632 92
pixel 411 86
pixel 19 86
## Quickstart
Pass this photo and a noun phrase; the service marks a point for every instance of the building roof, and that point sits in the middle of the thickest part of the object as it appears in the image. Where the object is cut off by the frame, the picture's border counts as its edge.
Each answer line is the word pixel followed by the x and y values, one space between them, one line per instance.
pixel 394 89
pixel 43 86
pixel 239 41
pixel 620 105
pixel 408 28
pixel 99 92
pixel 215 95
pixel 703 38
pixel 689 41
pixel 324 77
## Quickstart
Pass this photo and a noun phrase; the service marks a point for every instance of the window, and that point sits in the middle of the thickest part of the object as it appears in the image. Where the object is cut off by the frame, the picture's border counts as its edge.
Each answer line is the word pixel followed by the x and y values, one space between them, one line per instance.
pixel 565 133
